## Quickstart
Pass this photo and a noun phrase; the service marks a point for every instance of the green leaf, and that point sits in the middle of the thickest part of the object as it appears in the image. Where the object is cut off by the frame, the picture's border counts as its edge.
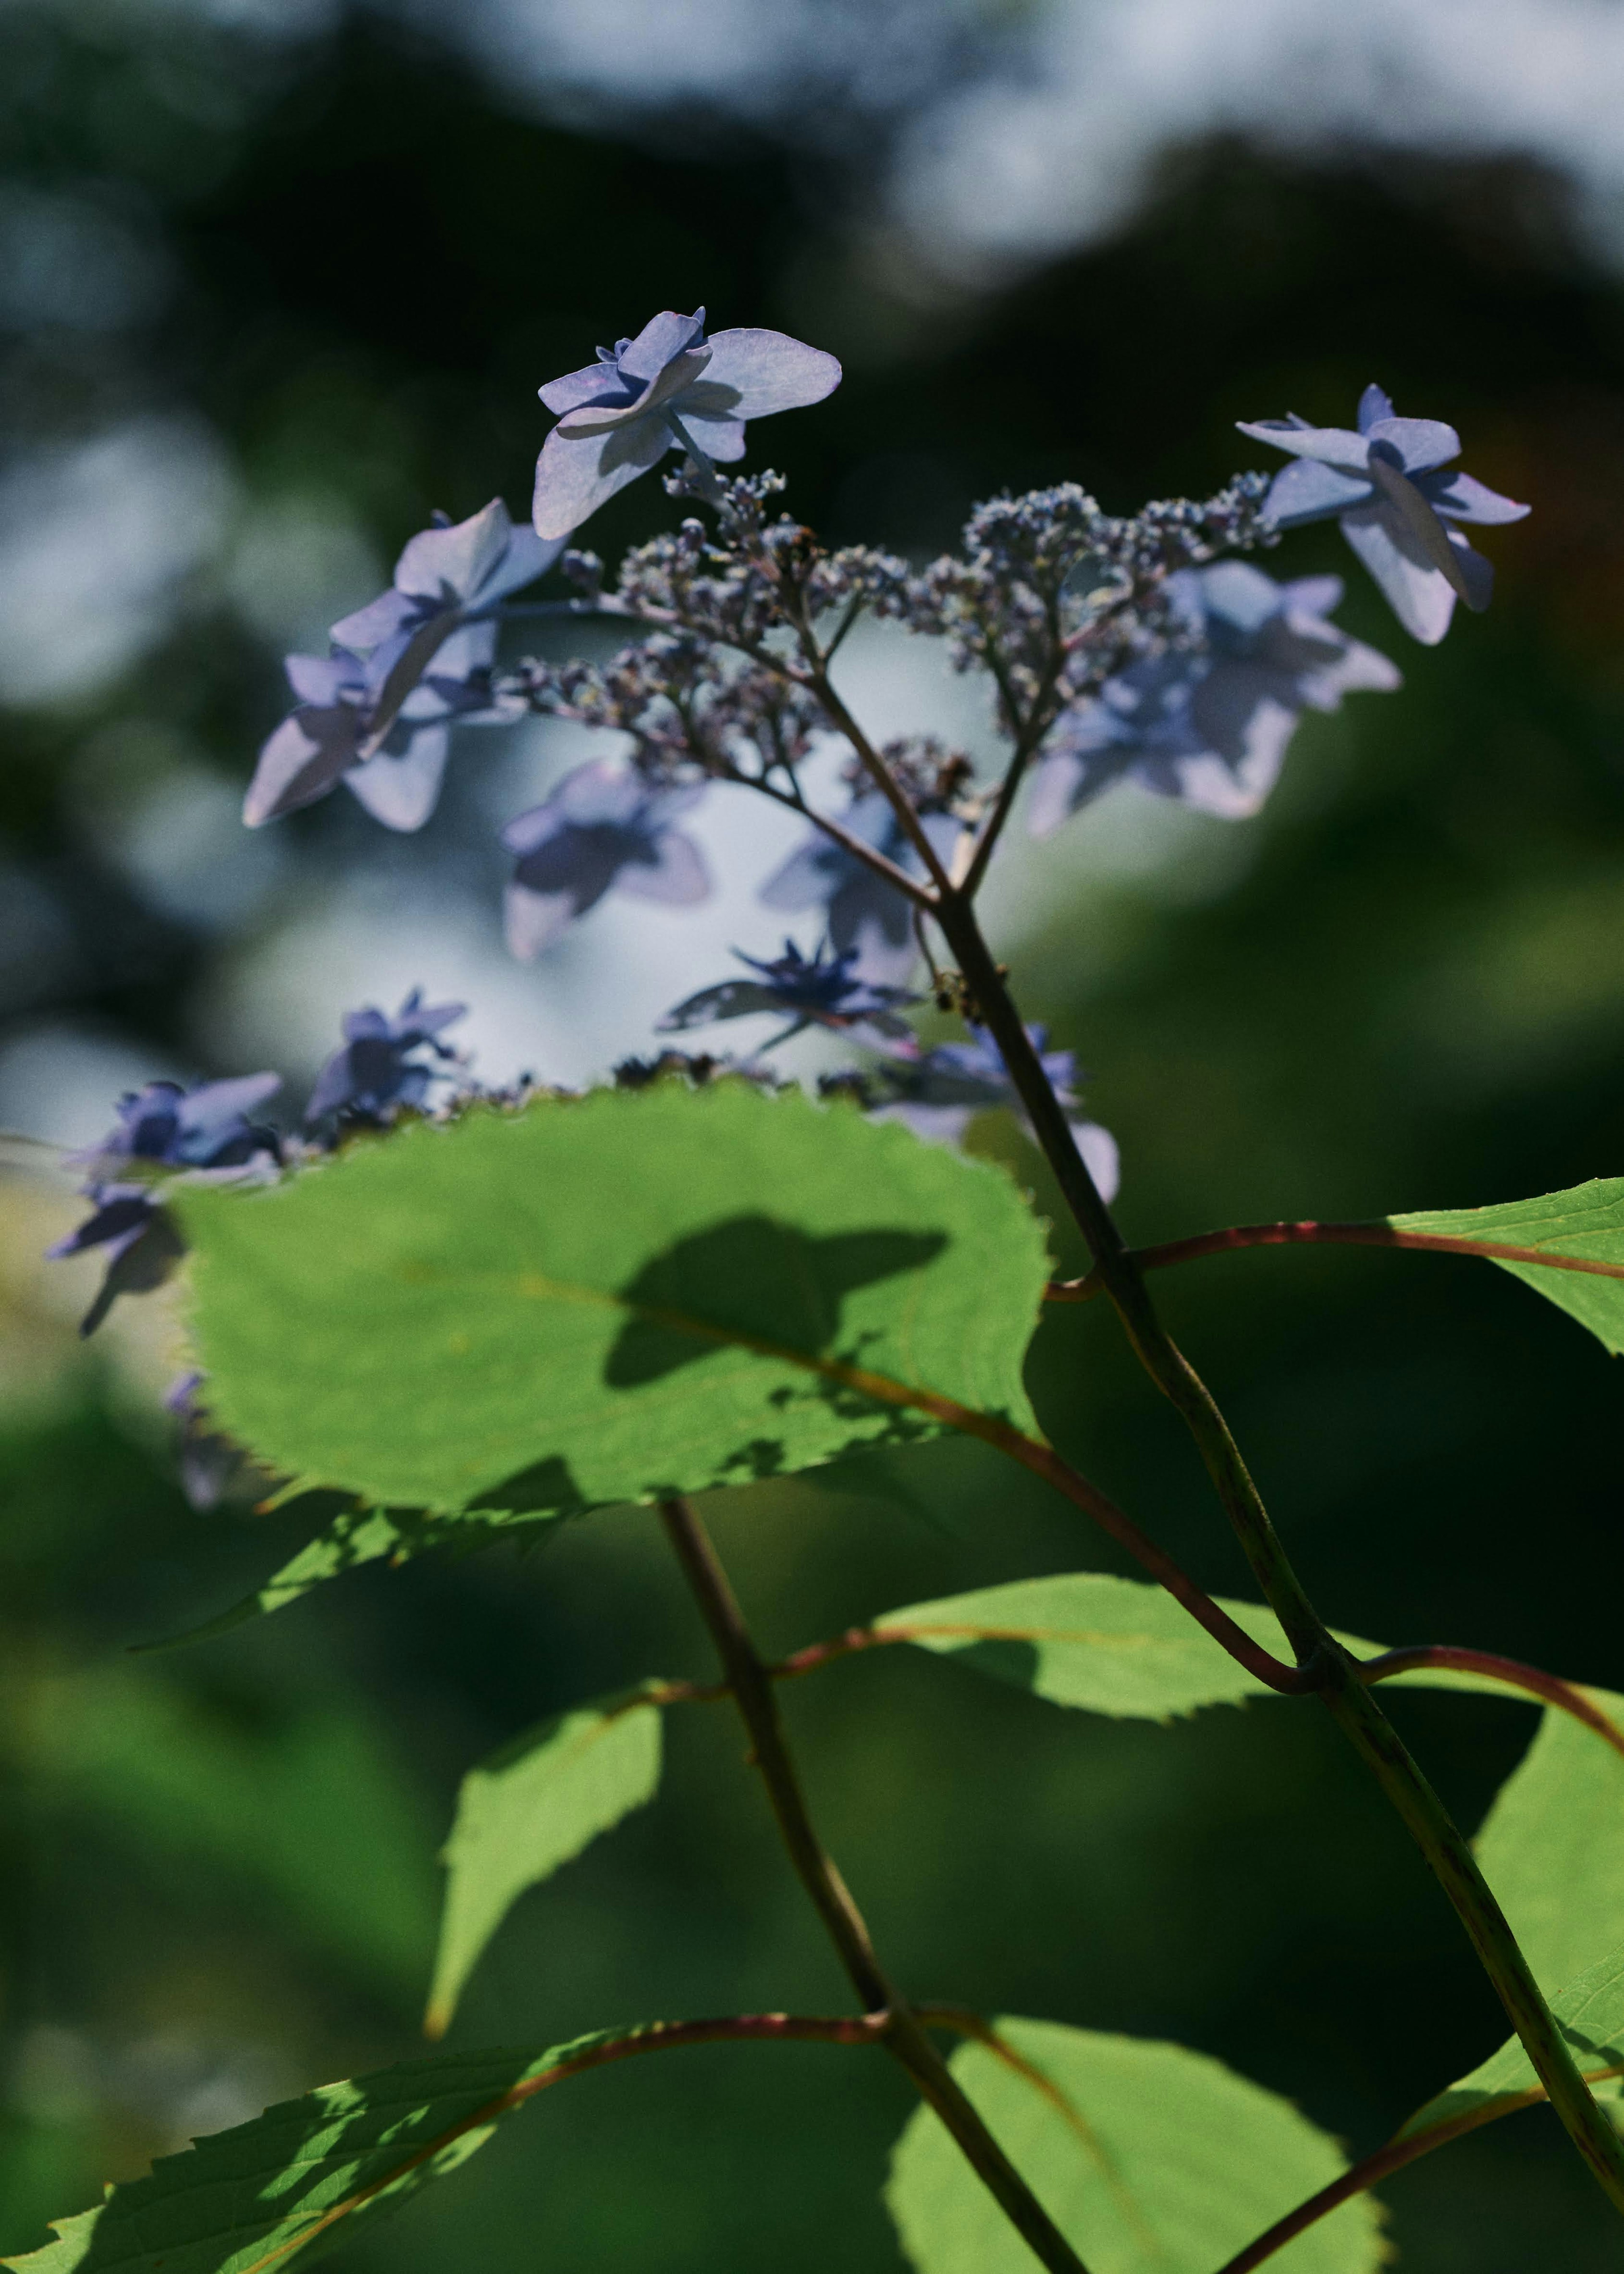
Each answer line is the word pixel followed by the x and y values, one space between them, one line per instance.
pixel 1116 1647
pixel 313 1808
pixel 610 1298
pixel 1150 2159
pixel 1591 2014
pixel 303 2173
pixel 527 1810
pixel 1587 1221
pixel 359 1536
pixel 1552 1847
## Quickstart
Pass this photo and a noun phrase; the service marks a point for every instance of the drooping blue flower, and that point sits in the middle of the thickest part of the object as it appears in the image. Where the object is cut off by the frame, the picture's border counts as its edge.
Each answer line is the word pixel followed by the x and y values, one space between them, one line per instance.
pixel 374 714
pixel 1209 723
pixel 822 989
pixel 1386 486
pixel 863 914
pixel 602 829
pixel 161 1128
pixel 938 1092
pixel 623 413
pixel 377 1072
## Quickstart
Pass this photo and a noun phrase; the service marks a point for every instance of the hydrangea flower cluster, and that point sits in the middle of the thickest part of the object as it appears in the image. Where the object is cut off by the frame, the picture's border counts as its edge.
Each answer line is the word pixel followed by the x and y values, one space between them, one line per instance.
pixel 1138 648
pixel 207 1134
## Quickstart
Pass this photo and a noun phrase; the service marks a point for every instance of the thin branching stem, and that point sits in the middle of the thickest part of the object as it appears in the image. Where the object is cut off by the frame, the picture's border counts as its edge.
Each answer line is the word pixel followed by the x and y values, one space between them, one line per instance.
pixel 1310 1233
pixel 905 2035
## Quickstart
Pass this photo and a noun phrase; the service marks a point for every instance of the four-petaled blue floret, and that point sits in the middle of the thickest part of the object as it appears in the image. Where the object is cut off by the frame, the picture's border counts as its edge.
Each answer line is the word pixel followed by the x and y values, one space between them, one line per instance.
pixel 938 1093
pixel 602 829
pixel 375 713
pixel 863 913
pixel 669 388
pixel 376 1073
pixel 1208 722
pixel 1397 506
pixel 822 989
pixel 160 1129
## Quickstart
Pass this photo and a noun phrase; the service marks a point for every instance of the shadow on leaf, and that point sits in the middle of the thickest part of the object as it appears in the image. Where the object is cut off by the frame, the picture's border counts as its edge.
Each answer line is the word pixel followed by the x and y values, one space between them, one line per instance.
pixel 752 1280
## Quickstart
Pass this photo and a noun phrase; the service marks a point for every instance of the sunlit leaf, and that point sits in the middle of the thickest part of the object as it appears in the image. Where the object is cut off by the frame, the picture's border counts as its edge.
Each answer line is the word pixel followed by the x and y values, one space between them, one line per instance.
pixel 302 2174
pixel 527 1810
pixel 610 1299
pixel 1150 2158
pixel 1552 1847
pixel 1589 1221
pixel 1116 1647
pixel 1590 2013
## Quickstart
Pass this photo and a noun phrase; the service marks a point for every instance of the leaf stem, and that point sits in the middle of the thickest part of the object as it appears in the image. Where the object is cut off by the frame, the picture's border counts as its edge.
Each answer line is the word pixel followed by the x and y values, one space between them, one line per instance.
pixel 1512 1671
pixel 1351 1705
pixel 1370 2170
pixel 904 2036
pixel 1309 1233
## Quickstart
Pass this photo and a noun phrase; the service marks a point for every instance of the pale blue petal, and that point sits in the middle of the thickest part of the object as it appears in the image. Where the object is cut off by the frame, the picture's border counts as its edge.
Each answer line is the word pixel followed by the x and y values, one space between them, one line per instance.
pixel 532 921
pixel 301 762
pixel 664 388
pixel 1100 1158
pixel 753 373
pixel 1375 404
pixel 450 564
pixel 677 878
pixel 526 559
pixel 1312 596
pixel 1337 446
pixel 574 478
pixel 378 622
pixel 1309 491
pixel 1420 596
pixel 661 339
pixel 1461 498
pixel 323 678
pixel 1421 443
pixel 401 792
pixel 599 382
pixel 1477 574
pixel 721 439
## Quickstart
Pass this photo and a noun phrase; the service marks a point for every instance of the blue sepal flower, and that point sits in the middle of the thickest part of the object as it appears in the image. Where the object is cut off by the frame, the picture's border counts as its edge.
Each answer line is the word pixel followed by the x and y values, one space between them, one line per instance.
pixel 937 1092
pixel 602 829
pixel 377 1071
pixel 617 413
pixel 375 713
pixel 1208 723
pixel 1388 486
pixel 162 1129
pixel 822 989
pixel 863 914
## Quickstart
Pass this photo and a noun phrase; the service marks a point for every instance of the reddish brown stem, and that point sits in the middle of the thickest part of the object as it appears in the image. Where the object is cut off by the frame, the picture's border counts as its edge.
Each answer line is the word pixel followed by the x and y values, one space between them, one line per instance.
pixel 1370 2170
pixel 1512 1671
pixel 1309 1233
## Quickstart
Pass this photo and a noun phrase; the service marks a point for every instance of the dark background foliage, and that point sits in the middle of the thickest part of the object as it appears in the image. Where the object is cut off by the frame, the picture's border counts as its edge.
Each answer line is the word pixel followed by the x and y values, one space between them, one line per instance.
pixel 216 1877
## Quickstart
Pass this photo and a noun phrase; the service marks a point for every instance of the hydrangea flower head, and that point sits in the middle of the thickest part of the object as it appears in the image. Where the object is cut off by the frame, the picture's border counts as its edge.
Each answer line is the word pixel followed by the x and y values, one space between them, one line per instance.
pixel 1386 482
pixel 938 1094
pixel 822 989
pixel 377 1070
pixel 603 828
pixel 863 913
pixel 1208 722
pixel 618 414
pixel 375 713
pixel 162 1127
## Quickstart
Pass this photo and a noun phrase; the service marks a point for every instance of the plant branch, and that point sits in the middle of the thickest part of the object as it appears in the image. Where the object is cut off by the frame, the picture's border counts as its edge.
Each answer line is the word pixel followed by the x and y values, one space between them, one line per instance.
pixel 870 855
pixel 904 2035
pixel 1309 1233
pixel 1512 1671
pixel 1353 1706
pixel 816 681
pixel 1371 2170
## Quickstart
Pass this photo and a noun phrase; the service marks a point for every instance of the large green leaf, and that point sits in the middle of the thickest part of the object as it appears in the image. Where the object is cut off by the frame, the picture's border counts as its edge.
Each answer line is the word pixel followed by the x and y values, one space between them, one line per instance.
pixel 300 2174
pixel 1150 2158
pixel 1117 1646
pixel 1590 2013
pixel 1552 1847
pixel 610 1299
pixel 527 1810
pixel 1589 1221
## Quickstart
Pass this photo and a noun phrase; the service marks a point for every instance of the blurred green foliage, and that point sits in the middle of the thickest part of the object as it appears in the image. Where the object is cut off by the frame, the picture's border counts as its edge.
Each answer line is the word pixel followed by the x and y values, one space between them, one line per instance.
pixel 1403 989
